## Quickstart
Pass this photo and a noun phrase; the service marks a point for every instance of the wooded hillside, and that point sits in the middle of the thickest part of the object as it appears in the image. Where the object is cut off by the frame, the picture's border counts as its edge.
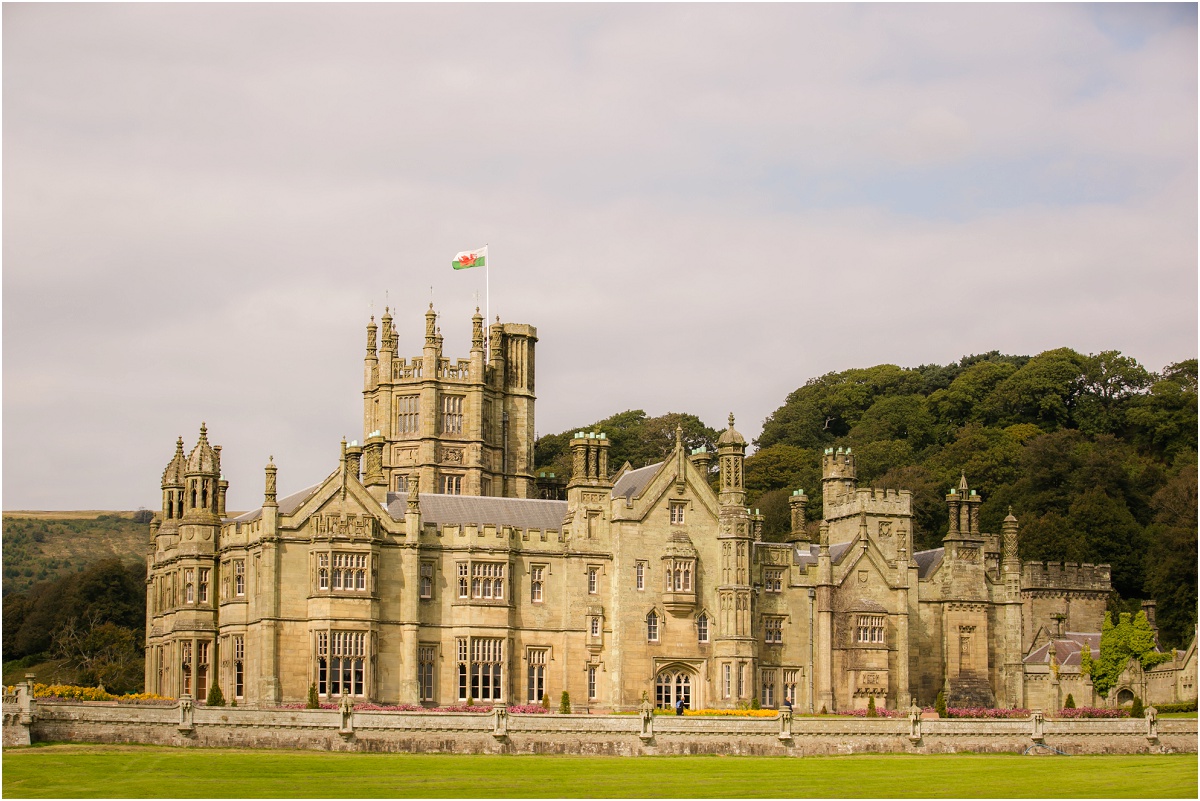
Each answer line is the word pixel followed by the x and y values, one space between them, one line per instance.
pixel 1095 454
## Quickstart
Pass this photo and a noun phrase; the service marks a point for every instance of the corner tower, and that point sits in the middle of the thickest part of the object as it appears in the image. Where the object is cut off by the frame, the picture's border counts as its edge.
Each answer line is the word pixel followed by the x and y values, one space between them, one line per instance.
pixel 462 427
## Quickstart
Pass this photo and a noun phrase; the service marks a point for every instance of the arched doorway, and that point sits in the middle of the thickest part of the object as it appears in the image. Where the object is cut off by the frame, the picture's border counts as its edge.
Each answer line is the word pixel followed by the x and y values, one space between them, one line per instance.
pixel 1125 696
pixel 672 684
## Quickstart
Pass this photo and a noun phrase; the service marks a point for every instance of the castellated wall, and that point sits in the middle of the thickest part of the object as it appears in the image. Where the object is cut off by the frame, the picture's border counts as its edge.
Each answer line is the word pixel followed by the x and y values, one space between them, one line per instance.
pixel 882 502
pixel 618 735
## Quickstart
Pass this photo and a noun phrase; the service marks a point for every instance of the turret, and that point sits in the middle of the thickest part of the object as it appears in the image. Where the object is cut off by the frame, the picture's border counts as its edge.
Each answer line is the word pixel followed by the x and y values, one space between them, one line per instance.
pixel 387 347
pixel 371 362
pixel 433 341
pixel 731 451
pixel 201 474
pixel 838 475
pixel 1012 561
pixel 173 485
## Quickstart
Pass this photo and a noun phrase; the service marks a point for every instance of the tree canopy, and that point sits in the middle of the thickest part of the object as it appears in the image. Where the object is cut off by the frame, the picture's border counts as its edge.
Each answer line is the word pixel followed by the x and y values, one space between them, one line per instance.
pixel 1094 453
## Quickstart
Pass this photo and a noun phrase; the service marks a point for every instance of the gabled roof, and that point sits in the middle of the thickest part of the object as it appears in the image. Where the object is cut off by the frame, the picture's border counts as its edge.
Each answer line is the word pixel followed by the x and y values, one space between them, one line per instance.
pixel 287 506
pixel 1066 648
pixel 927 561
pixel 471 509
pixel 634 482
pixel 806 555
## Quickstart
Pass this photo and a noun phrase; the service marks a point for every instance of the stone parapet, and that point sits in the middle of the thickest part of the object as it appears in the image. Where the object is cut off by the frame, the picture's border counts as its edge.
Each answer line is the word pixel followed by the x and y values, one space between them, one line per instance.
pixel 1064 575
pixel 626 735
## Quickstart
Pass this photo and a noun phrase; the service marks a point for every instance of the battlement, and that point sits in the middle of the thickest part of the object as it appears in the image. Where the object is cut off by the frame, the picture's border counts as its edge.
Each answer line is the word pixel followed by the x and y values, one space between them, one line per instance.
pixel 872 501
pixel 838 464
pixel 1065 575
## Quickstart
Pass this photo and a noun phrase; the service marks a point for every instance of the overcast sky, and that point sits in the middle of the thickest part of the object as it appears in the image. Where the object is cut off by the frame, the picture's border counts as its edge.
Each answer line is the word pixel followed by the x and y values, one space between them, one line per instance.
pixel 699 207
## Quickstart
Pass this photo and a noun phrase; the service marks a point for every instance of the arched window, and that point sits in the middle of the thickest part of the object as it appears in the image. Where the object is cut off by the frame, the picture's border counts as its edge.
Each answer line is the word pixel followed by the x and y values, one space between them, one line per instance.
pixel 702 628
pixel 670 686
pixel 652 627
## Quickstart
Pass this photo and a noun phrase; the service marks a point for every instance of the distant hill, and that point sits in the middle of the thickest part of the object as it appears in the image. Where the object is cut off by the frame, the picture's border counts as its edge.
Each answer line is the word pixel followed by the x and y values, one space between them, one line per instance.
pixel 45 545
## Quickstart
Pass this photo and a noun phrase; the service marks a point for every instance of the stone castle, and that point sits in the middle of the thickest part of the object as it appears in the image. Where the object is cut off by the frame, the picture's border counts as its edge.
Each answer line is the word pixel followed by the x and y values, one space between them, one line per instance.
pixel 425 570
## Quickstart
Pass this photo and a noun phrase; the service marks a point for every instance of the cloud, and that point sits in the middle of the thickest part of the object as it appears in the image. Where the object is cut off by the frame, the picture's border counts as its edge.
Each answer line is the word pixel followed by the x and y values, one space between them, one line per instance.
pixel 699 207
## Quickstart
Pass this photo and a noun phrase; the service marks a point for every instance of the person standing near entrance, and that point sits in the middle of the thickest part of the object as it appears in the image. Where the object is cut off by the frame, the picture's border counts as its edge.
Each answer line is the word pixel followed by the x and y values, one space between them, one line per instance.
pixel 679 706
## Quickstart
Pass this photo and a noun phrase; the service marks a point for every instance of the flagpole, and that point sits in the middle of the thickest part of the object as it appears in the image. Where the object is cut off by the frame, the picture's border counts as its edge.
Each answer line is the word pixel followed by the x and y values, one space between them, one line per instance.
pixel 487 298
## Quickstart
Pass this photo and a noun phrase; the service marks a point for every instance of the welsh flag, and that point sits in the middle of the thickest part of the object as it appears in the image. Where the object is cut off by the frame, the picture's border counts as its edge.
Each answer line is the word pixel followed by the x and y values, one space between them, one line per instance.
pixel 470 258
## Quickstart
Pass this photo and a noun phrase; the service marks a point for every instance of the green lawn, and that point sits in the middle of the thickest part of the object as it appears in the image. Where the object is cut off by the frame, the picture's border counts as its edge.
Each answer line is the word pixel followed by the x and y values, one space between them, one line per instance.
pixel 88 771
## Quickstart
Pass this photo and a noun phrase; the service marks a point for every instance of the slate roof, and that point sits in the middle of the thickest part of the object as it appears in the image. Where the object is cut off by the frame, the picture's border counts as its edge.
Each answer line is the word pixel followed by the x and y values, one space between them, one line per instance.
pixel 803 557
pixel 927 561
pixel 470 509
pixel 1066 649
pixel 634 482
pixel 287 506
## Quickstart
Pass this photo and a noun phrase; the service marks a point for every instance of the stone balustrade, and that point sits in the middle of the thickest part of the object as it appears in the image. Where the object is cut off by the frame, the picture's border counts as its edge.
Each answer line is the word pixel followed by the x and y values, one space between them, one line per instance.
pixel 643 733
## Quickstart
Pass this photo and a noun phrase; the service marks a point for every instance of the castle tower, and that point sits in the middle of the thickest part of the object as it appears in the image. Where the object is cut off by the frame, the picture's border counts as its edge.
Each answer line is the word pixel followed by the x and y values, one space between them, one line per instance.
pixel 964 587
pixel 838 476
pixel 182 580
pixel 462 427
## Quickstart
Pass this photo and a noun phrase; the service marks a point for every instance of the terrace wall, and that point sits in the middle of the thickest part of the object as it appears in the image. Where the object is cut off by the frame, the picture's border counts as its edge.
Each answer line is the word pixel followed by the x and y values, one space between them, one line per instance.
pixel 619 735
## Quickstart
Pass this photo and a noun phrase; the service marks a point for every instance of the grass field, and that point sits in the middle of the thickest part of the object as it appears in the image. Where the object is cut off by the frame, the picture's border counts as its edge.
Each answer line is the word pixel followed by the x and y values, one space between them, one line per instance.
pixel 90 771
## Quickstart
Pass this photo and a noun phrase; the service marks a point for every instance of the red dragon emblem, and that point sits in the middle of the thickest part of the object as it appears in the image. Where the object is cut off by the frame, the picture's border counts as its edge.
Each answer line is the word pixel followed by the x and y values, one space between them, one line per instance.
pixel 468 260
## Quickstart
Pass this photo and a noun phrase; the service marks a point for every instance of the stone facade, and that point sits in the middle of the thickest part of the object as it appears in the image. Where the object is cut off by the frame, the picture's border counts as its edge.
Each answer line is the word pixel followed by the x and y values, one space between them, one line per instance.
pixel 424 569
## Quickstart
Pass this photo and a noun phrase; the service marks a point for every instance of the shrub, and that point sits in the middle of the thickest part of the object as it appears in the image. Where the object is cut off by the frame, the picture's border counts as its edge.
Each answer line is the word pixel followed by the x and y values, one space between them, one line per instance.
pixel 313 701
pixel 722 713
pixel 940 704
pixel 1185 706
pixel 824 711
pixel 1094 712
pixel 71 692
pixel 546 701
pixel 983 712
pixel 470 701
pixel 564 703
pixel 879 712
pixel 754 704
pixel 871 707
pixel 1138 710
pixel 215 697
pixel 1070 704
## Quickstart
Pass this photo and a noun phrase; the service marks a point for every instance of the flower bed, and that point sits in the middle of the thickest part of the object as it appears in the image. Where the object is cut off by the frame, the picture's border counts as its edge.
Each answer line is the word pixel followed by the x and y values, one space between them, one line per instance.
pixel 480 709
pixel 727 713
pixel 862 713
pixel 71 692
pixel 1093 712
pixel 981 712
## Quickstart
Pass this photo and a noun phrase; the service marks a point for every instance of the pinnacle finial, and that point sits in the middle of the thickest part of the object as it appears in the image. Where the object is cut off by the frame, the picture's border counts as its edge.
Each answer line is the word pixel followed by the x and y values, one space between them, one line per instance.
pixel 731 419
pixel 678 435
pixel 962 484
